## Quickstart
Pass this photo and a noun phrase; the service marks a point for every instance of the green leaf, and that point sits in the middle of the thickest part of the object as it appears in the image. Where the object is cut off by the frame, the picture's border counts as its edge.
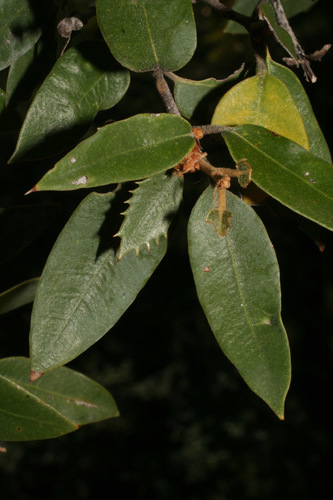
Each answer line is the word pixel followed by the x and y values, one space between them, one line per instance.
pixel 127 150
pixel 237 281
pixel 262 100
pixel 83 291
pixel 18 29
pixel 246 7
pixel 152 208
pixel 55 404
pixel 317 143
pixel 145 34
pixel 19 295
pixel 189 93
pixel 83 81
pixel 298 179
pixel 280 34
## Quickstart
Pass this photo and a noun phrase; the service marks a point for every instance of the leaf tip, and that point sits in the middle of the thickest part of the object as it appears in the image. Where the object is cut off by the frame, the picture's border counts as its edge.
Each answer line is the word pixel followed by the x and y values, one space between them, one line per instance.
pixel 33 190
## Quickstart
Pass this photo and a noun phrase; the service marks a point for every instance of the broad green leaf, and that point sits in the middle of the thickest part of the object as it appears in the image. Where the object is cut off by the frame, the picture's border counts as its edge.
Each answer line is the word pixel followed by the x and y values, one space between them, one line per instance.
pixel 280 34
pixel 127 150
pixel 18 295
pixel 152 208
pixel 83 291
pixel 145 34
pixel 55 404
pixel 291 7
pixel 189 93
pixel 262 100
pixel 317 143
pixel 83 81
pixel 18 29
pixel 237 281
pixel 283 169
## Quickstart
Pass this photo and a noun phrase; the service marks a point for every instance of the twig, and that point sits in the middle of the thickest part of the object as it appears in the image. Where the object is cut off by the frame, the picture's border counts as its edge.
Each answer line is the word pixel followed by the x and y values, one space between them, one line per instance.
pixel 230 14
pixel 165 92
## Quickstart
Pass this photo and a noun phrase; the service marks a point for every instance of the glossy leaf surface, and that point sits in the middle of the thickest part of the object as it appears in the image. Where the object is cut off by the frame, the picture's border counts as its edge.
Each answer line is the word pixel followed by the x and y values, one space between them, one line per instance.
pixel 189 93
pixel 262 100
pixel 127 150
pixel 83 291
pixel 18 296
pixel 317 143
pixel 18 29
pixel 148 33
pixel 152 208
pixel 55 404
pixel 83 81
pixel 298 179
pixel 237 281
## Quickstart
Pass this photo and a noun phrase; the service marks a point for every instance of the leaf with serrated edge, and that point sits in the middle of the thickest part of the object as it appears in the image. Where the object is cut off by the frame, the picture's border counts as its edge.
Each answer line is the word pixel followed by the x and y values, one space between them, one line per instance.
pixel 152 208
pixel 237 281
pixel 55 404
pixel 283 169
pixel 128 150
pixel 83 291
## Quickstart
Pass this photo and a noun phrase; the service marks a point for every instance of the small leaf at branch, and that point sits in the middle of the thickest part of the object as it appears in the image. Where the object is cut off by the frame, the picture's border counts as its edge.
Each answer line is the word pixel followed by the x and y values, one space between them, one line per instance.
pixel 57 403
pixel 240 296
pixel 152 208
pixel 127 150
pixel 144 34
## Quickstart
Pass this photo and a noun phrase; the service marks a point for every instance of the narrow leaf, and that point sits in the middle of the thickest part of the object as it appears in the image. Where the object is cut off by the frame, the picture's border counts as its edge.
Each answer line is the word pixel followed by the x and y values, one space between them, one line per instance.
pixel 280 34
pixel 83 81
pixel 18 29
pixel 152 208
pixel 262 100
pixel 189 93
pixel 127 150
pixel 317 143
pixel 18 296
pixel 283 169
pixel 237 281
pixel 55 404
pixel 145 34
pixel 83 291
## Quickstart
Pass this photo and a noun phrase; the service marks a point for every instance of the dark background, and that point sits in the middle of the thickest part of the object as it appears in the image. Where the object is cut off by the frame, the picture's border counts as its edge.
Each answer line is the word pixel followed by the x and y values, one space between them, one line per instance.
pixel 189 427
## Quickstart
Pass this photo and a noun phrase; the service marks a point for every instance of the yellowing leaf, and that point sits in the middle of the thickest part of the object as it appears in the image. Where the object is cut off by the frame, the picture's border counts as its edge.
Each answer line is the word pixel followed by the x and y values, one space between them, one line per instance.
pixel 262 100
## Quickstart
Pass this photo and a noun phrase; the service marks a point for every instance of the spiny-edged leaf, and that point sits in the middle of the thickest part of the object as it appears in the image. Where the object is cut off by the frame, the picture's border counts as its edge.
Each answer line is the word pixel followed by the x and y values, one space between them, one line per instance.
pixel 317 143
pixel 280 34
pixel 144 34
pixel 83 81
pixel 283 169
pixel 262 100
pixel 237 281
pixel 246 7
pixel 19 295
pixel 83 291
pixel 55 404
pixel 189 93
pixel 18 29
pixel 127 150
pixel 152 208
